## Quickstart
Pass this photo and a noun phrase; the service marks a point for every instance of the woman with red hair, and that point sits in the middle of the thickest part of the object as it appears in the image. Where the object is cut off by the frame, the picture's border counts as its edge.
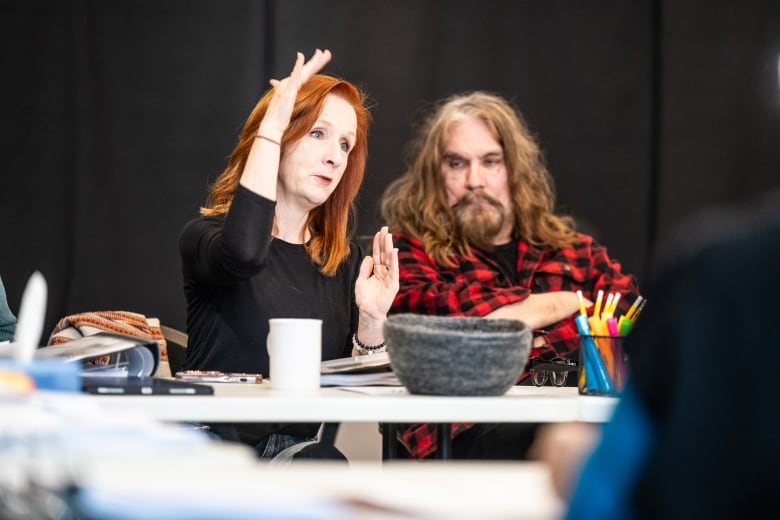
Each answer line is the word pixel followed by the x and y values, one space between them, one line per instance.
pixel 273 240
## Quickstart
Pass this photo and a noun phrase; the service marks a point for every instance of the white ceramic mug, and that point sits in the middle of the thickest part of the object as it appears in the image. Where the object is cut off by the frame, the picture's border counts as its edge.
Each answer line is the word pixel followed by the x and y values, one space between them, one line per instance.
pixel 295 353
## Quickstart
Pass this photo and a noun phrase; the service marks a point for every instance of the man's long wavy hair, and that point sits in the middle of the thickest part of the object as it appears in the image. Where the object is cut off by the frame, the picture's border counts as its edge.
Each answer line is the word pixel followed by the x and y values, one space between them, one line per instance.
pixel 331 223
pixel 416 202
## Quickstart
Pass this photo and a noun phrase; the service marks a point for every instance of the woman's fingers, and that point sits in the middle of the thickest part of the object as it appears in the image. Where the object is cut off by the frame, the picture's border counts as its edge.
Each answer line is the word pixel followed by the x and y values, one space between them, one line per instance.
pixel 366 267
pixel 385 259
pixel 286 89
pixel 303 70
pixel 297 72
pixel 376 248
pixel 318 60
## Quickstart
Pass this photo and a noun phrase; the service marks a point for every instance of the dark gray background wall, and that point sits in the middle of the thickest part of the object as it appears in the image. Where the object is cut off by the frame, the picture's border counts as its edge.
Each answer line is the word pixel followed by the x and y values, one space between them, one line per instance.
pixel 117 114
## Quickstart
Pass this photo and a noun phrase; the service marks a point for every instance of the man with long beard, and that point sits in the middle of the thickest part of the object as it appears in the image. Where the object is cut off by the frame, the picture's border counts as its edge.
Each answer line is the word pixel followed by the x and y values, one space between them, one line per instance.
pixel 473 219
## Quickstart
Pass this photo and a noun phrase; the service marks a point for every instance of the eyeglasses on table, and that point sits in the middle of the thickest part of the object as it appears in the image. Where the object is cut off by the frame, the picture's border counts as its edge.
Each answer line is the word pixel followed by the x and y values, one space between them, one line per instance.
pixel 554 370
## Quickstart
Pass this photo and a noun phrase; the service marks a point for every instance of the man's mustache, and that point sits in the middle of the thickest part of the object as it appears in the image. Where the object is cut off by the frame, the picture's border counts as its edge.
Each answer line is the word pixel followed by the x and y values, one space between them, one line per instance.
pixel 475 197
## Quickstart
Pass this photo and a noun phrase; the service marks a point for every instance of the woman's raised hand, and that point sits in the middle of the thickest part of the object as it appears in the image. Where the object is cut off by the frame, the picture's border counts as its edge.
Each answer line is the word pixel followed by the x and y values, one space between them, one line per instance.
pixel 277 118
pixel 378 281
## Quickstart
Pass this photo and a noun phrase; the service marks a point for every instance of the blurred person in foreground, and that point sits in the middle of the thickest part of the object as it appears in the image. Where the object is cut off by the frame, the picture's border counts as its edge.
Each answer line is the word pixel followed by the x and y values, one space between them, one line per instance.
pixel 695 433
pixel 273 240
pixel 474 220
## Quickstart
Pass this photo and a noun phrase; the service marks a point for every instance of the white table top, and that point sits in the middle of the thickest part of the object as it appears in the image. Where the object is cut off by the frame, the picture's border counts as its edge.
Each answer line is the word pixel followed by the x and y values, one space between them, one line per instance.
pixel 214 488
pixel 238 402
pixel 126 464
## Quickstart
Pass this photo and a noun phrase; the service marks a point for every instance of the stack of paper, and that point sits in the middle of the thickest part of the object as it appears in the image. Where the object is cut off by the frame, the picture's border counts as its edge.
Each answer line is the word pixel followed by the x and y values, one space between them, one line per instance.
pixel 355 379
pixel 368 370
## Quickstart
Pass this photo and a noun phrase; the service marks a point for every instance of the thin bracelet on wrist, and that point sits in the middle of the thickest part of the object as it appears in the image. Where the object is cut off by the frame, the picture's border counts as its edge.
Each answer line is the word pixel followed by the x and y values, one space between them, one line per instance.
pixel 277 143
pixel 365 349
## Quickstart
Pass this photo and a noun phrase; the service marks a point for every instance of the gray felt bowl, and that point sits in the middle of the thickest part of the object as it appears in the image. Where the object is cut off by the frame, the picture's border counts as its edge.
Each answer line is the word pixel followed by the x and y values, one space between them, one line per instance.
pixel 441 355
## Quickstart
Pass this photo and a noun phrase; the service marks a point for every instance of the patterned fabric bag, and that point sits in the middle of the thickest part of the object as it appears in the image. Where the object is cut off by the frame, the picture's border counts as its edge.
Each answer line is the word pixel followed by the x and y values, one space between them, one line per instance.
pixel 118 322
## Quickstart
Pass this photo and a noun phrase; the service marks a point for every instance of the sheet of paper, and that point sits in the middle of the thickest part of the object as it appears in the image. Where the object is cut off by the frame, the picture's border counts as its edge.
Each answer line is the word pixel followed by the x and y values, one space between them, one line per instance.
pixel 369 379
pixel 369 363
pixel 377 390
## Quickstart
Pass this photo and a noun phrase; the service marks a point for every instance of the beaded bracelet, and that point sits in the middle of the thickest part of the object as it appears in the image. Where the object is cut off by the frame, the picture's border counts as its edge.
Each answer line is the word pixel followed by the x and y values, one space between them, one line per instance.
pixel 365 349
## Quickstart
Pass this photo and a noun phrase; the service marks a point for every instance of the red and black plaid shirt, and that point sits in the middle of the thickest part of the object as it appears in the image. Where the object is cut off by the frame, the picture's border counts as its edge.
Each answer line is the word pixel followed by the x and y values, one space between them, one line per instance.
pixel 476 287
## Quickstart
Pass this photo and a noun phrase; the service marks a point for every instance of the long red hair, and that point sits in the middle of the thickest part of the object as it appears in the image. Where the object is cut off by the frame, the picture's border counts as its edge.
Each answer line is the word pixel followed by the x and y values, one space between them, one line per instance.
pixel 330 222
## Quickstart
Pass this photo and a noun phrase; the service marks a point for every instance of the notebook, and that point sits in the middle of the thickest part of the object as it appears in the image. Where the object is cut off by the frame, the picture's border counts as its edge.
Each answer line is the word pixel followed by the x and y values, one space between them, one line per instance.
pixel 142 386
pixel 379 362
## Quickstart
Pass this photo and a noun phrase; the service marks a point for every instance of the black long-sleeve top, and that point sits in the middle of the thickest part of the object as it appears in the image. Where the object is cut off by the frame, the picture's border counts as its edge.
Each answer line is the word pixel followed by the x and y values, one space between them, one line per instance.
pixel 237 277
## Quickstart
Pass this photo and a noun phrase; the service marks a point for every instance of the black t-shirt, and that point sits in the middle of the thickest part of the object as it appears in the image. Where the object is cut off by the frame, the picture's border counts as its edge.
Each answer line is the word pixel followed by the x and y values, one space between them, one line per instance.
pixel 506 257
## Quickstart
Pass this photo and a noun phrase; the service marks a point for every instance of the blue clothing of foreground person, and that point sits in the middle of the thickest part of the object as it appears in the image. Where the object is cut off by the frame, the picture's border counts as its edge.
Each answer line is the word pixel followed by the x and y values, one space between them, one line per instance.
pixel 696 433
pixel 7 318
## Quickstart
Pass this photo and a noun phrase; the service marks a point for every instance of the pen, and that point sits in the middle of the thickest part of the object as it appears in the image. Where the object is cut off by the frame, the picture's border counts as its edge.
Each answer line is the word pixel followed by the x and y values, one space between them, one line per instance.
pixel 605 345
pixel 634 307
pixel 607 306
pixel 588 373
pixel 581 301
pixel 638 310
pixel 613 307
pixel 597 326
pixel 597 305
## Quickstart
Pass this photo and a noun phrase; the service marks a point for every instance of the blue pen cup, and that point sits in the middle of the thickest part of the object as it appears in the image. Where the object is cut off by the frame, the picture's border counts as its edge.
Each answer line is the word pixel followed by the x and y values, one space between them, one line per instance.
pixel 603 365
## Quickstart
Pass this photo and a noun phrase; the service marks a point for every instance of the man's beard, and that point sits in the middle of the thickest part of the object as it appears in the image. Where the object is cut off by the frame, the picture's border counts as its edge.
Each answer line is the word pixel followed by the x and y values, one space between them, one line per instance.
pixel 478 219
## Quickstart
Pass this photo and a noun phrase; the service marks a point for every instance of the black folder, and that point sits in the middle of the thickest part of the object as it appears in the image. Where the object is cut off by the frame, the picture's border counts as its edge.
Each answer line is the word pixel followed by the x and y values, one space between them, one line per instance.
pixel 142 386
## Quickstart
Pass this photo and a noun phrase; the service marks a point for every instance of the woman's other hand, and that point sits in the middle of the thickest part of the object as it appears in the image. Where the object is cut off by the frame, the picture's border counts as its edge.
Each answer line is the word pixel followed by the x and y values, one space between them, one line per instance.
pixel 376 287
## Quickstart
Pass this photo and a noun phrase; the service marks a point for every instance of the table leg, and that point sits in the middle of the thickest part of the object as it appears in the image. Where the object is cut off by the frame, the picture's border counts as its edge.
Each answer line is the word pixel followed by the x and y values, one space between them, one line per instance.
pixel 443 442
pixel 389 443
